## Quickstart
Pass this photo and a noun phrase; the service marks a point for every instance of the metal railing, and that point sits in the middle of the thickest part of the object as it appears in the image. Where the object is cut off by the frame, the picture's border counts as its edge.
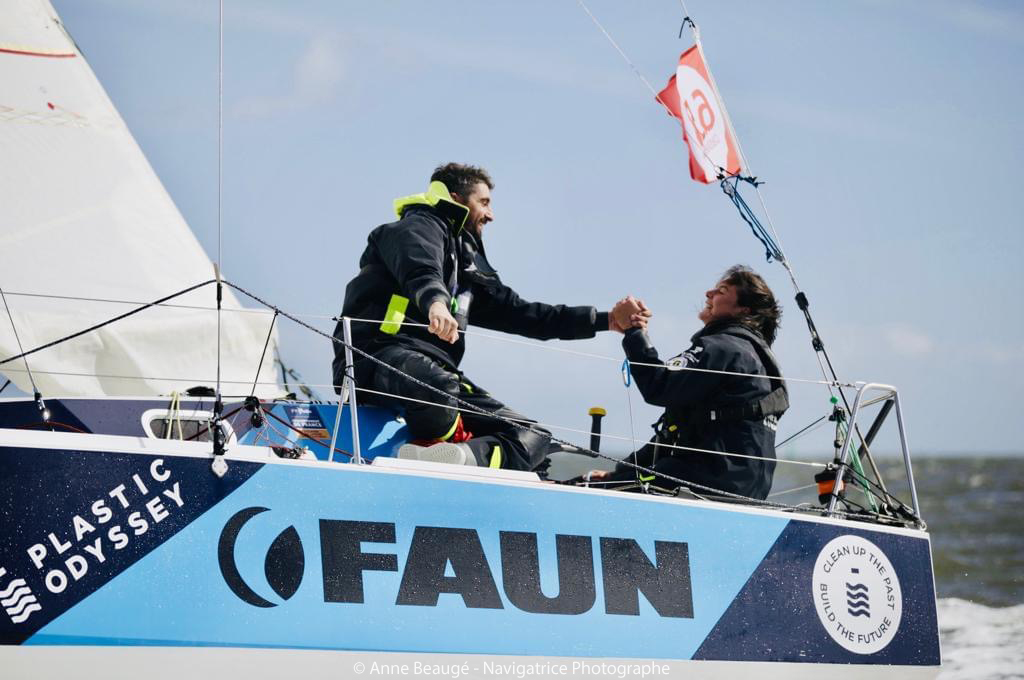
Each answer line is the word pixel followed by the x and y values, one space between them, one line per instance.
pixel 844 454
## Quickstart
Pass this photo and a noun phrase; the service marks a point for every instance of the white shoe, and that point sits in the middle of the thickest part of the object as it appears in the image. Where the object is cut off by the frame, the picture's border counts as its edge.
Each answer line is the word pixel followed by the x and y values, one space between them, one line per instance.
pixel 445 452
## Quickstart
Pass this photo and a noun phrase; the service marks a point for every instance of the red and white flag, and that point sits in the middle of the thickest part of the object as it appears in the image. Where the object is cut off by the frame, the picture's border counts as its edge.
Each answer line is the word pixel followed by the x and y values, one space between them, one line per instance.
pixel 690 97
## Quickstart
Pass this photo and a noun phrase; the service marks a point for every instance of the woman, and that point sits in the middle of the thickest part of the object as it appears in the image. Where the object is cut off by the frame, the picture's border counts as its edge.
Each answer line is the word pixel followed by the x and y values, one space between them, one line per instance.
pixel 730 404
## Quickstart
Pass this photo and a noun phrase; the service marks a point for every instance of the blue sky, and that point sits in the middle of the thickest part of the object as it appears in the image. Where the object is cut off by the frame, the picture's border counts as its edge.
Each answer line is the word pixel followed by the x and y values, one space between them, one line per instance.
pixel 887 134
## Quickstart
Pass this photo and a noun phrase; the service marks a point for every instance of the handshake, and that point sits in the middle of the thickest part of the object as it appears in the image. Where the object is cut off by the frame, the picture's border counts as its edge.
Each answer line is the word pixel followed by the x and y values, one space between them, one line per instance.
pixel 629 312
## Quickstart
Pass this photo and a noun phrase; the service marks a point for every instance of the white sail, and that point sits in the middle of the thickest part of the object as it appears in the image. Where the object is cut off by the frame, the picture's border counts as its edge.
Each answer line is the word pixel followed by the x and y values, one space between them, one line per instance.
pixel 83 215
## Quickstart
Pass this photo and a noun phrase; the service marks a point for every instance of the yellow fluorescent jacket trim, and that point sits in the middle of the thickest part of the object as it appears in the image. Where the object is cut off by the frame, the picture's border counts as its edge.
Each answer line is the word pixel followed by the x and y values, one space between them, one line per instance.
pixel 395 315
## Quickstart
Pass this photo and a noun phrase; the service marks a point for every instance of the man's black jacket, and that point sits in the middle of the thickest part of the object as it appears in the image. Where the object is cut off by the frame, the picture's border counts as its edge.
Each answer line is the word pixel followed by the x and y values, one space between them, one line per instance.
pixel 424 258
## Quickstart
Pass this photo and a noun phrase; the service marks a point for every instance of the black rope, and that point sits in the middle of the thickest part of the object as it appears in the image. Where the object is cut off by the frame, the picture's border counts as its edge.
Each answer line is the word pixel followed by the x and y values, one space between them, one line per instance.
pixel 800 432
pixel 882 494
pixel 730 185
pixel 5 386
pixel 682 26
pixel 263 356
pixel 303 433
pixel 107 323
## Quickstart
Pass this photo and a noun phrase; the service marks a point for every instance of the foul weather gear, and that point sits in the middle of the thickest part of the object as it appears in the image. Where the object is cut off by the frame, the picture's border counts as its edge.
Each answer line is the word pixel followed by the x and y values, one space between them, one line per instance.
pixel 408 265
pixel 711 411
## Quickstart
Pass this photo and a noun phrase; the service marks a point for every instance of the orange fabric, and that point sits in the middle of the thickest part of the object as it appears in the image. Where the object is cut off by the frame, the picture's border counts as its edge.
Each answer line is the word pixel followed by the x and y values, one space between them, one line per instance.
pixel 825 486
pixel 459 434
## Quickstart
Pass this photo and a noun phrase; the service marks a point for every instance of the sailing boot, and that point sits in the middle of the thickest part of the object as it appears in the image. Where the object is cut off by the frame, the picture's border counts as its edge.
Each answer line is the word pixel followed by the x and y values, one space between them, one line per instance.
pixel 445 452
pixel 451 449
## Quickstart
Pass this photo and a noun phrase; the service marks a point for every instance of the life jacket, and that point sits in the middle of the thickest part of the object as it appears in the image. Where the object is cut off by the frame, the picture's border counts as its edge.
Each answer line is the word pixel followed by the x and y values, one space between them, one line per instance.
pixel 454 215
pixel 770 406
pixel 375 294
pixel 474 270
pixel 440 199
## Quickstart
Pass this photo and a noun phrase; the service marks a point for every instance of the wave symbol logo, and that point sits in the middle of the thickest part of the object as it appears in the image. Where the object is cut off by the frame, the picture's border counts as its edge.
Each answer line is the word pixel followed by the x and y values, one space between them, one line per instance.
pixel 857 594
pixel 17 599
pixel 283 566
pixel 857 603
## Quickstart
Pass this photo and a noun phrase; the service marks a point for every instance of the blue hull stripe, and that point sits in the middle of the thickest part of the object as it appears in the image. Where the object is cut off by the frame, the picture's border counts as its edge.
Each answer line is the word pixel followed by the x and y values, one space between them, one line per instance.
pixel 176 593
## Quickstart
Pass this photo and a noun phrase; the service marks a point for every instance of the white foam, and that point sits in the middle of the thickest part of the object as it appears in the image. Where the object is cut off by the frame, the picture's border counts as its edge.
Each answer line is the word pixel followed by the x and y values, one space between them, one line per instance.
pixel 980 642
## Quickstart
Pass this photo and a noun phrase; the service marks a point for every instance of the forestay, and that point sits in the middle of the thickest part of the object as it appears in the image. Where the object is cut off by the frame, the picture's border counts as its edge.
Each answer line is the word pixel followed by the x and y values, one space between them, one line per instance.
pixel 83 214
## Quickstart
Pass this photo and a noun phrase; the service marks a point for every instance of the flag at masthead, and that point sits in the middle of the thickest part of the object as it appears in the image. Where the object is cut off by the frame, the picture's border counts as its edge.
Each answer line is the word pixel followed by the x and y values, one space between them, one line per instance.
pixel 691 97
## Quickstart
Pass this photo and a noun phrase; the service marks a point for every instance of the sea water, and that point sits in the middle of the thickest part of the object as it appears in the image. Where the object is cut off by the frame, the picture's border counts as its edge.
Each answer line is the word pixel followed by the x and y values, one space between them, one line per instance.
pixel 974 508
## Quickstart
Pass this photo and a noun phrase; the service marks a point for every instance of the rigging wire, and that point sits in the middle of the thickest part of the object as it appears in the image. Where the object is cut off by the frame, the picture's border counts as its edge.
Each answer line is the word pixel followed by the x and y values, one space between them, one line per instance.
pixel 21 349
pixel 100 325
pixel 266 344
pixel 546 347
pixel 803 431
pixel 203 308
pixel 552 426
pixel 475 409
pixel 218 405
pixel 794 490
pixel 489 336
pixel 496 416
pixel 623 54
pixel 472 408
pixel 276 313
pixel 304 434
pixel 604 435
pixel 44 412
pixel 115 376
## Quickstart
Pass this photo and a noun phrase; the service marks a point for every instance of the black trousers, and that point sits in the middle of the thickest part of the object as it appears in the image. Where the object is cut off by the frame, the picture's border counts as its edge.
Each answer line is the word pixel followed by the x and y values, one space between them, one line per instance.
pixel 519 448
pixel 750 477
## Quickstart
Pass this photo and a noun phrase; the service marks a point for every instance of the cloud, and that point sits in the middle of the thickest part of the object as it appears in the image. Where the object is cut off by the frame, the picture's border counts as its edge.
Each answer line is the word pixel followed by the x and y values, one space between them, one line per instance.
pixel 993 22
pixel 251 15
pixel 969 15
pixel 316 77
pixel 908 341
pixel 319 70
pixel 549 67
pixel 1001 354
pixel 833 121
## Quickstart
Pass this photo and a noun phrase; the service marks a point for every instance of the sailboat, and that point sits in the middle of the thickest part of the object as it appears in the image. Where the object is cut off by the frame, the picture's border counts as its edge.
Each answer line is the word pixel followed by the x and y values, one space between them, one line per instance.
pixel 152 525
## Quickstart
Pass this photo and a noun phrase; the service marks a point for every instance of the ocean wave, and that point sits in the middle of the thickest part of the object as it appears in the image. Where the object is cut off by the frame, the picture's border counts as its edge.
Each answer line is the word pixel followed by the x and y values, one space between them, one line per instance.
pixel 979 642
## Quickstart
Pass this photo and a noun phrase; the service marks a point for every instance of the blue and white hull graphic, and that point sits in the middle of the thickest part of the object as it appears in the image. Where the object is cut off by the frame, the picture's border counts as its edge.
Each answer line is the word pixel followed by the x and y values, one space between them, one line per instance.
pixel 109 543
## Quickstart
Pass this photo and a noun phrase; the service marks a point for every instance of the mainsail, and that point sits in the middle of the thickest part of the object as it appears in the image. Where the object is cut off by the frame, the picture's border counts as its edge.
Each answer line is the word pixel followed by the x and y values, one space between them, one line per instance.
pixel 83 216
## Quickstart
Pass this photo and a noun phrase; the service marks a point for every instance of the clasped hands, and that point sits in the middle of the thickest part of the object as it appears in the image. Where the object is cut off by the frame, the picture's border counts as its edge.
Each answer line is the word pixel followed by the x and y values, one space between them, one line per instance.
pixel 629 312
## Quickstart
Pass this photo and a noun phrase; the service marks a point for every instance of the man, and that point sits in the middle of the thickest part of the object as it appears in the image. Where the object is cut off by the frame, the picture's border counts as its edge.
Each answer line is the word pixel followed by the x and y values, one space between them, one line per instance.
pixel 710 411
pixel 424 278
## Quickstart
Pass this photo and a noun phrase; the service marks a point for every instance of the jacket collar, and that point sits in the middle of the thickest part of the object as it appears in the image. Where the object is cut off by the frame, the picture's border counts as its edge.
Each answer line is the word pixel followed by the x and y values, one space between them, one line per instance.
pixel 723 325
pixel 440 200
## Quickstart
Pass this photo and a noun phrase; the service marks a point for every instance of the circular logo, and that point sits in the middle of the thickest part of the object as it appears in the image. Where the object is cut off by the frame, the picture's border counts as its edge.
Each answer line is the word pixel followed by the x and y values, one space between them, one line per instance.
pixel 857 594
pixel 284 565
pixel 703 120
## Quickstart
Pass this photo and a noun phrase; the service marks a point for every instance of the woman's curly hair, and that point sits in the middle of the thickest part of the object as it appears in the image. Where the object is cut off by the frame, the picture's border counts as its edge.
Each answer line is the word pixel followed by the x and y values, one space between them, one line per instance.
pixel 754 294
